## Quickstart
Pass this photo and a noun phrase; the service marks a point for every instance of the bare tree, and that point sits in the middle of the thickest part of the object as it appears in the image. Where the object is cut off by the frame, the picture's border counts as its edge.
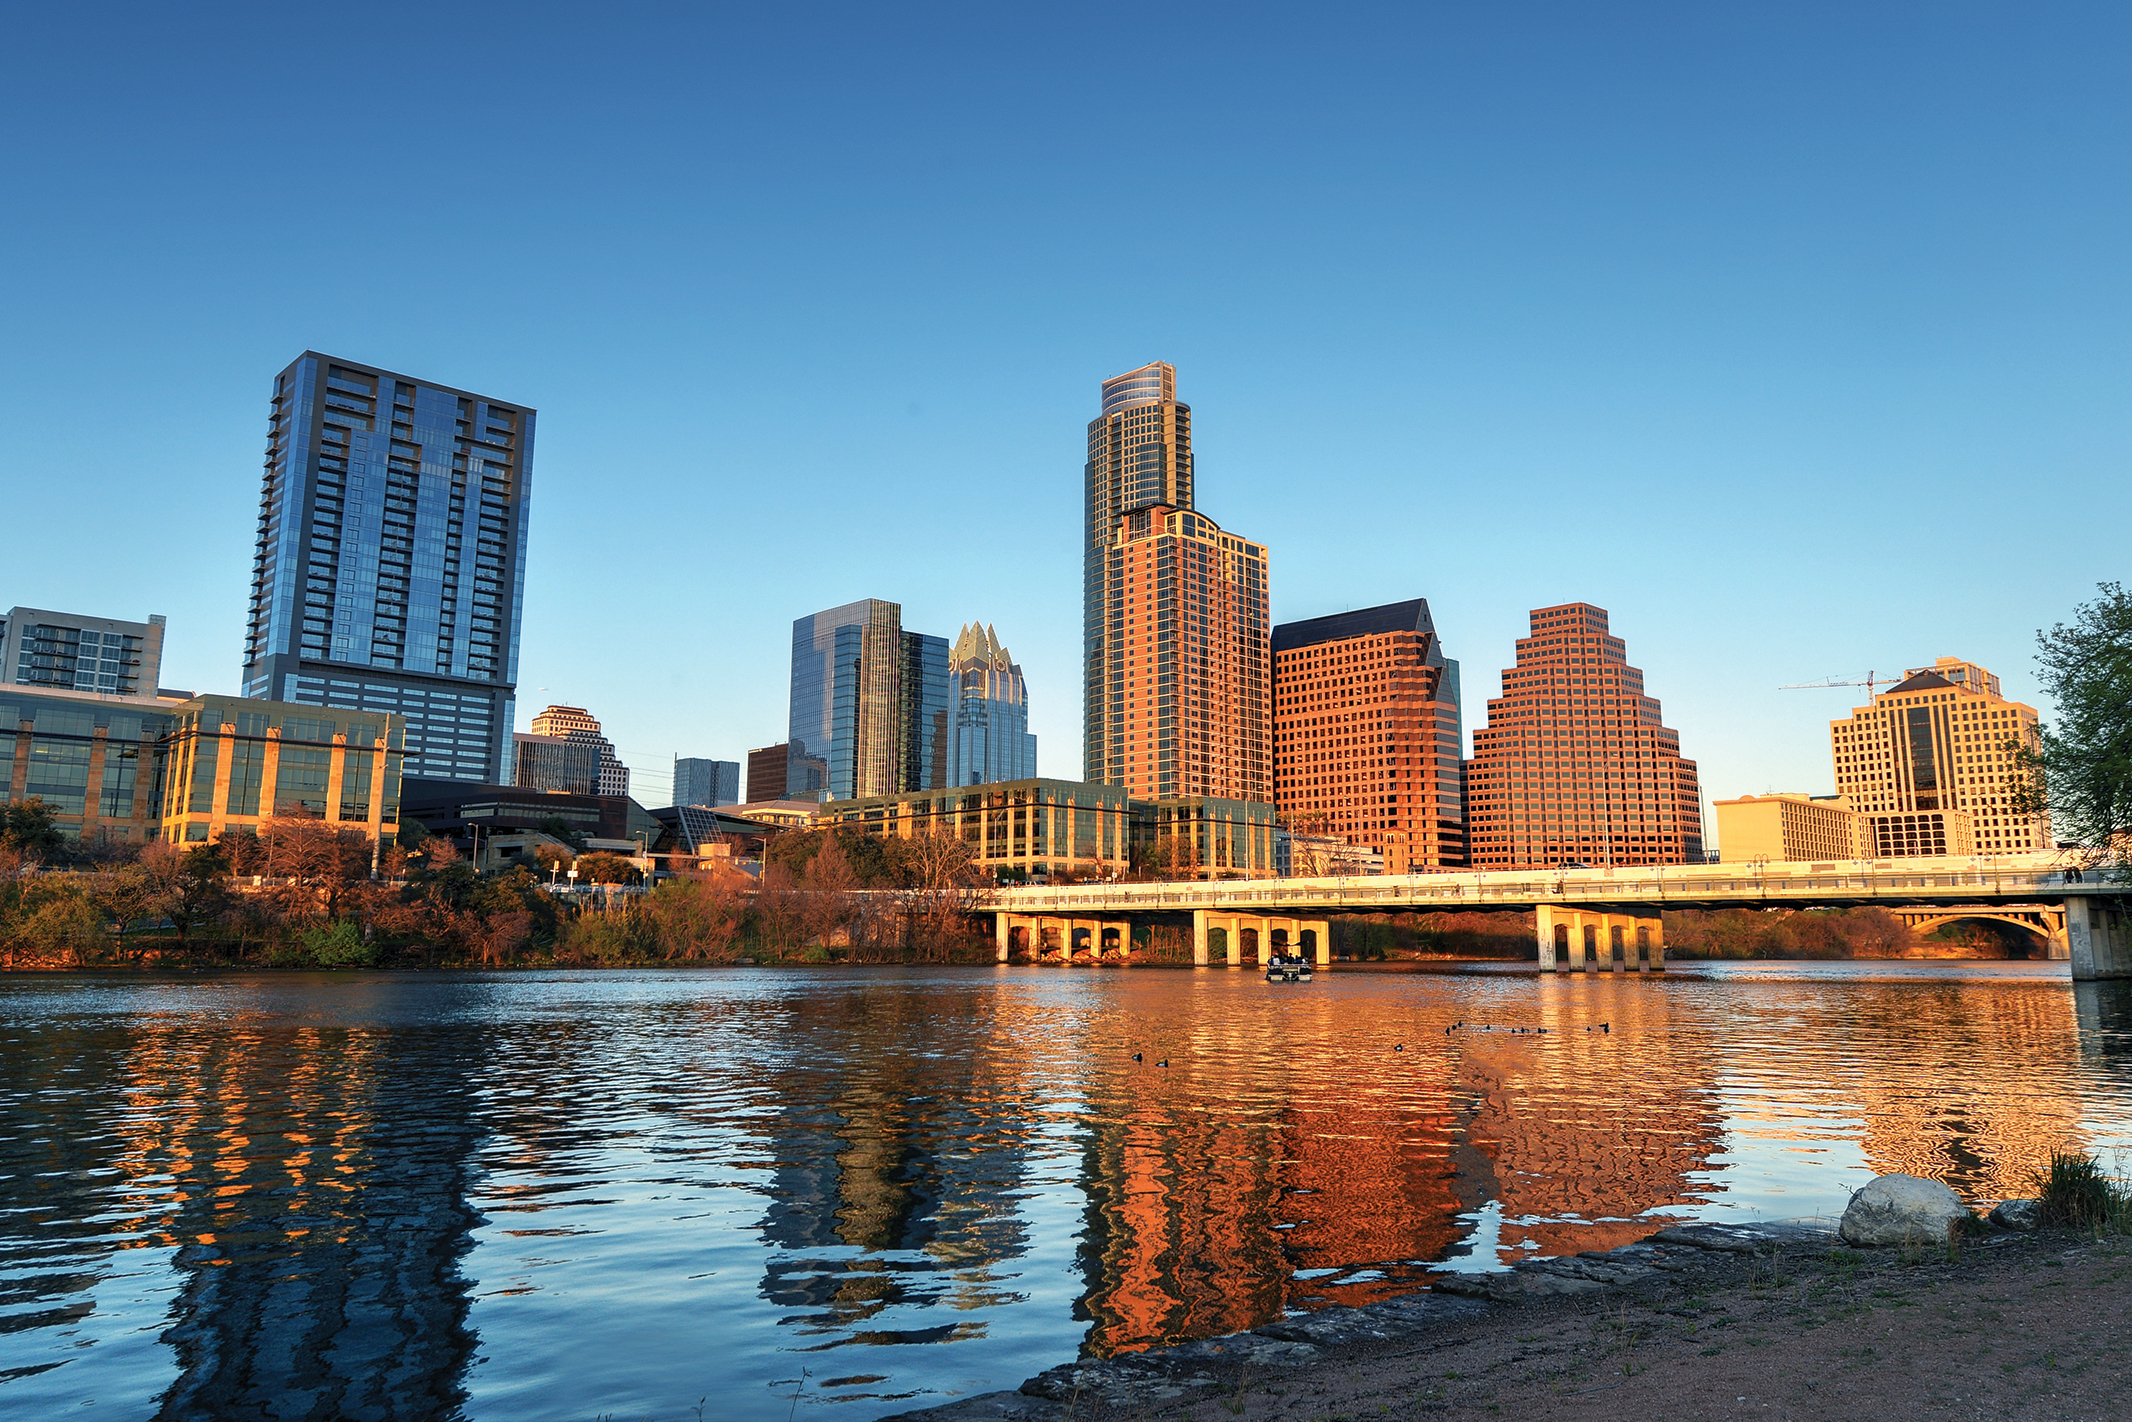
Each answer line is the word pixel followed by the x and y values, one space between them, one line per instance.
pixel 945 887
pixel 831 886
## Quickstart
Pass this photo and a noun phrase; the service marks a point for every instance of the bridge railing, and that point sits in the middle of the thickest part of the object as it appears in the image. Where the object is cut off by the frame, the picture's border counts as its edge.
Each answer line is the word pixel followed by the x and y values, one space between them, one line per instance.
pixel 1703 882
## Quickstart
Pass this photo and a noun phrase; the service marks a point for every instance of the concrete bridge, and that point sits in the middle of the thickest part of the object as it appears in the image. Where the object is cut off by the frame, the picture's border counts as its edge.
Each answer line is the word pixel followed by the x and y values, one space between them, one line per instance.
pixel 1586 919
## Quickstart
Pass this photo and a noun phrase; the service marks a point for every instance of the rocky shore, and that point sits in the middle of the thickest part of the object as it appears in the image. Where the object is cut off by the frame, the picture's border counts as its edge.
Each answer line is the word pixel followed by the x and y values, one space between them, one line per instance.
pixel 1770 1320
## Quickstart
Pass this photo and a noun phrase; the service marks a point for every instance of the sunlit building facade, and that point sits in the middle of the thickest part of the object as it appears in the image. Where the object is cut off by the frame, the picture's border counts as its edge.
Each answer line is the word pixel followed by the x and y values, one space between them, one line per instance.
pixel 1177 657
pixel 390 562
pixel 1367 736
pixel 1941 740
pixel 575 723
pixel 708 783
pixel 68 651
pixel 1575 765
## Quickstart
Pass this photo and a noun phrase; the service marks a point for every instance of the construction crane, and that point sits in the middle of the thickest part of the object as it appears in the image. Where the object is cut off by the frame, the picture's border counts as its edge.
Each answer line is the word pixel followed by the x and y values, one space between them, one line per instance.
pixel 1868 684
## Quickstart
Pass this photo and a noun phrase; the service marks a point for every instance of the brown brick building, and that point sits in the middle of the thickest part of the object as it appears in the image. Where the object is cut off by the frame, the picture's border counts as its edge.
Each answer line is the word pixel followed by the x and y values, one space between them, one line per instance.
pixel 1573 766
pixel 1366 735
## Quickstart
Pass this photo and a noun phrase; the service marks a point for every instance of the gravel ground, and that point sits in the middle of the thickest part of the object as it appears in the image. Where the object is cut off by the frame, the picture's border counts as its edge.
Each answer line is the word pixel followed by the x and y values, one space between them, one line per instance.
pixel 2033 1326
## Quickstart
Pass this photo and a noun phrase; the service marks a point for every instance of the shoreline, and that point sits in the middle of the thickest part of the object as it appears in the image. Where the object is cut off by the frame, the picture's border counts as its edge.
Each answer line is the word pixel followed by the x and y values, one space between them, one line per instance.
pixel 1779 1319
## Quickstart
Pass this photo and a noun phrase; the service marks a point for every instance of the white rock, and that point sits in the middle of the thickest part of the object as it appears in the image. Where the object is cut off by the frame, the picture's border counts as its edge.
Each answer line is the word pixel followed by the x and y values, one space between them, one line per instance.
pixel 1902 1209
pixel 2022 1215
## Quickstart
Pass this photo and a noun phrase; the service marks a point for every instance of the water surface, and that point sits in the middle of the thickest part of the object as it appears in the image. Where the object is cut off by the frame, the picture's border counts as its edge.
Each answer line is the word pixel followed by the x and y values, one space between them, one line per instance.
pixel 565 1194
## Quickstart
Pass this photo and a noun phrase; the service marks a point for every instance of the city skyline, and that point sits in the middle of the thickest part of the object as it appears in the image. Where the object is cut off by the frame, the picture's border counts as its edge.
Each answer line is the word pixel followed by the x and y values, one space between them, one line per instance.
pixel 1444 338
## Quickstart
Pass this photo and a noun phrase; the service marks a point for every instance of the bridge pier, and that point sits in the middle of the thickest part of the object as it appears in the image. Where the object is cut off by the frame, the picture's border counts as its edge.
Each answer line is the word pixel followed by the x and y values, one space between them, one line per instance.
pixel 1578 940
pixel 2098 938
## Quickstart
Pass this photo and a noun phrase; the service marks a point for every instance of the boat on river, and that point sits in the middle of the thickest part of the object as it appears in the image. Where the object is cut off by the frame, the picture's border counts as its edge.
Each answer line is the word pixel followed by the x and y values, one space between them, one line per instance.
pixel 1288 968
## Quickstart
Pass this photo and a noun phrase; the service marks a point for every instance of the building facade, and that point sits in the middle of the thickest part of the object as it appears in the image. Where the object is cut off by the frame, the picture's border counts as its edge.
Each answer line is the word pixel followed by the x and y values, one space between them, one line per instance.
pixel 555 765
pixel 1943 739
pixel 230 763
pixel 1027 829
pixel 924 714
pixel 869 710
pixel 708 783
pixel 989 742
pixel 766 773
pixel 1785 828
pixel 1368 738
pixel 575 723
pixel 390 565
pixel 67 651
pixel 191 770
pixel 1177 661
pixel 1575 765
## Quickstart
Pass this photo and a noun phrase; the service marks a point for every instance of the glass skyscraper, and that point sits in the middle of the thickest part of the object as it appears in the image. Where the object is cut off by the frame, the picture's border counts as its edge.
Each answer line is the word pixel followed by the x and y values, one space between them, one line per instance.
pixel 869 709
pixel 991 742
pixel 390 565
pixel 709 783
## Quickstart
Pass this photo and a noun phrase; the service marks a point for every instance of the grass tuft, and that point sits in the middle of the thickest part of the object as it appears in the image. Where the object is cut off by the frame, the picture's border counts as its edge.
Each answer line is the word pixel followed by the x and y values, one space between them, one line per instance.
pixel 2076 1194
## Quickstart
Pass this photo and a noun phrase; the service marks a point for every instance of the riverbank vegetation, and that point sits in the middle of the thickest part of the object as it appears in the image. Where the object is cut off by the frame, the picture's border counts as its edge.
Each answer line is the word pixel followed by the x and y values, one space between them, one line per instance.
pixel 300 893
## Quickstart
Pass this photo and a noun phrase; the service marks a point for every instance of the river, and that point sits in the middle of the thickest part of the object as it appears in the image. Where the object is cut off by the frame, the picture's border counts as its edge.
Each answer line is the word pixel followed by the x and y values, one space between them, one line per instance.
pixel 842 1193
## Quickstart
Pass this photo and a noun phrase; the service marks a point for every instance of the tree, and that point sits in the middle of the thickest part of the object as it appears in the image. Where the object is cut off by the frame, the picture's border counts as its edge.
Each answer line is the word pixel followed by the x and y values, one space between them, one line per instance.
pixel 188 886
pixel 602 867
pixel 27 827
pixel 693 916
pixel 2081 766
pixel 945 884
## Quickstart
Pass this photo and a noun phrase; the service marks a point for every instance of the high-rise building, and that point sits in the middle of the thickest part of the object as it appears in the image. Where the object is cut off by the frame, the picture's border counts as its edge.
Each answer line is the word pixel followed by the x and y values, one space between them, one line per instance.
pixel 1367 735
pixel 555 765
pixel 990 740
pixel 1574 765
pixel 70 652
pixel 390 562
pixel 709 783
pixel 766 773
pixel 869 709
pixel 575 723
pixel 1941 740
pixel 1177 664
pixel 1785 827
pixel 922 713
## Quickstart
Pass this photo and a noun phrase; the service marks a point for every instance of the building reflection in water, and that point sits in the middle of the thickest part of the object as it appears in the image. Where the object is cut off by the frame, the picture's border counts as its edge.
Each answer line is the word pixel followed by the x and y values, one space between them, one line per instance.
pixel 308 1183
pixel 897 1174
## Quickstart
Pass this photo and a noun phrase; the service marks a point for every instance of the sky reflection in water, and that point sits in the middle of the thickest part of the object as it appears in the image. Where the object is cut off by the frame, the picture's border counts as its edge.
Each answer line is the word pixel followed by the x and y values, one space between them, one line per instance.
pixel 570 1194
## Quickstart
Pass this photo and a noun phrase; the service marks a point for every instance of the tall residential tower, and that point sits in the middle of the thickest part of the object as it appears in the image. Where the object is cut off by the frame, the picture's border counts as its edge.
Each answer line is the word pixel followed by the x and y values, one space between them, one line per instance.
pixel 390 562
pixel 1176 658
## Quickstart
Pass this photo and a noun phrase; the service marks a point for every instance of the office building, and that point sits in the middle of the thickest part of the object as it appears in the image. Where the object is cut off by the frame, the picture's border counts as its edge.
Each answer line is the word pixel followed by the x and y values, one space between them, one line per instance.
pixel 1785 828
pixel 922 715
pixel 1943 739
pixel 390 568
pixel 1574 765
pixel 1367 736
pixel 192 769
pixel 990 741
pixel 69 652
pixel 706 783
pixel 575 723
pixel 766 773
pixel 869 707
pixel 1177 664
pixel 555 765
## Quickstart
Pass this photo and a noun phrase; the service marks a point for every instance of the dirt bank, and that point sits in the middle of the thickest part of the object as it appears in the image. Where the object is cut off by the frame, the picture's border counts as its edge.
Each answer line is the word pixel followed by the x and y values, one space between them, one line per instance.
pixel 2011 1327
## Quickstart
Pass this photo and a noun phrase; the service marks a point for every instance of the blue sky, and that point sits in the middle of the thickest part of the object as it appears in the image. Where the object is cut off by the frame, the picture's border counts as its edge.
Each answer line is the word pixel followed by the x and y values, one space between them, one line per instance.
pixel 1795 336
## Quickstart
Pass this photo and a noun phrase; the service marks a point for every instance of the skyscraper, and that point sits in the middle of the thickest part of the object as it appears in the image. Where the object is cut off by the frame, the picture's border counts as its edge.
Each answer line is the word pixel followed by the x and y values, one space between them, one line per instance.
pixel 575 723
pixel 1176 660
pixel 1938 745
pixel 709 783
pixel 1574 765
pixel 922 713
pixel 390 562
pixel 869 709
pixel 991 740
pixel 1366 735
pixel 73 652
pixel 767 767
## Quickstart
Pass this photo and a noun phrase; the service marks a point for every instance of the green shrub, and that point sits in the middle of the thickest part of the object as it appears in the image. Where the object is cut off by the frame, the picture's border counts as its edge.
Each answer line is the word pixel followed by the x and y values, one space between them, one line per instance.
pixel 339 945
